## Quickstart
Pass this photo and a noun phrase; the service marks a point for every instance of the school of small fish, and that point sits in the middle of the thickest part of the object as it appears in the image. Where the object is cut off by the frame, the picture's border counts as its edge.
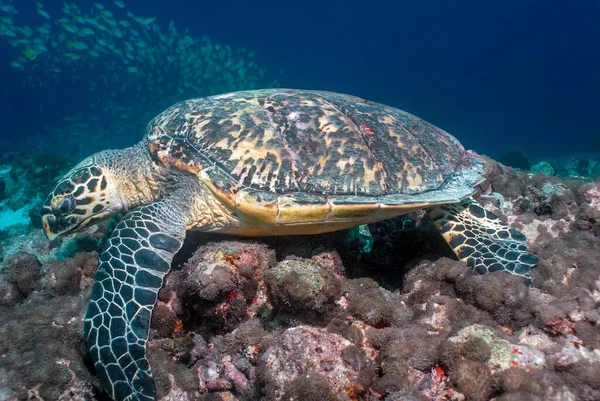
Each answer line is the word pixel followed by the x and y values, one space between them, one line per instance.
pixel 123 65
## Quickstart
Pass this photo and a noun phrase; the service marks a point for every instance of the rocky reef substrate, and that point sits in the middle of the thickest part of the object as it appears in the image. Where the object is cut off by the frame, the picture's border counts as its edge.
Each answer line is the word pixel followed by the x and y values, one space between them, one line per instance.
pixel 327 318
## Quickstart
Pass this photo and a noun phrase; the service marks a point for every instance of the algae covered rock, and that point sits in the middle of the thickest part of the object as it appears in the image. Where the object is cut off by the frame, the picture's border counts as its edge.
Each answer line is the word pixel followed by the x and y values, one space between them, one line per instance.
pixel 231 321
pixel 24 271
pixel 41 347
pixel 543 168
pixel 223 283
pixel 504 354
pixel 366 300
pixel 302 284
pixel 72 275
pixel 314 354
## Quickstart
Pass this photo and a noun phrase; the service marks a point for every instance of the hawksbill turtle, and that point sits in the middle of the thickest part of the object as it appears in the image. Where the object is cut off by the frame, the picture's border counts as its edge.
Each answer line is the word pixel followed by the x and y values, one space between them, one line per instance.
pixel 259 163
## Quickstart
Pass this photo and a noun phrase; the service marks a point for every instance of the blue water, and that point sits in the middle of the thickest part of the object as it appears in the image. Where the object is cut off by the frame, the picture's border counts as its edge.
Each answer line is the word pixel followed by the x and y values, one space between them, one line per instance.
pixel 503 75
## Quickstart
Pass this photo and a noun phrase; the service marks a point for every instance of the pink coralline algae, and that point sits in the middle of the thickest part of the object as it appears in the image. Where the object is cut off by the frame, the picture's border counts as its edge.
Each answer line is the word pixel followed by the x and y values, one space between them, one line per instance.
pixel 303 350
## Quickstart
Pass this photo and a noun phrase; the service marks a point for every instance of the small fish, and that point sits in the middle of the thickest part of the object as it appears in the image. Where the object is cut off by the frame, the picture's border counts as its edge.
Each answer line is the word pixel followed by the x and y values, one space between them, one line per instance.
pixel 78 45
pixel 86 32
pixel 30 53
pixel 8 9
pixel 74 7
pixel 132 69
pixel 70 28
pixel 27 31
pixel 119 4
pixel 16 64
pixel 45 29
pixel 6 31
pixel 43 13
pixel 146 21
pixel 172 28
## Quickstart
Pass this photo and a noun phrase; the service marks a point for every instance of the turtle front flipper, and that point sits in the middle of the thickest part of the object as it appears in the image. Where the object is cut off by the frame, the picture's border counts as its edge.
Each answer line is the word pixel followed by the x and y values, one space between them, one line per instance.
pixel 129 276
pixel 481 240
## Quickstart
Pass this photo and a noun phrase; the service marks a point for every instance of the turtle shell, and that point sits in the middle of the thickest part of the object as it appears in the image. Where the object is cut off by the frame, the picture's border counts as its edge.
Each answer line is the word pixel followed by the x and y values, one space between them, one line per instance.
pixel 300 147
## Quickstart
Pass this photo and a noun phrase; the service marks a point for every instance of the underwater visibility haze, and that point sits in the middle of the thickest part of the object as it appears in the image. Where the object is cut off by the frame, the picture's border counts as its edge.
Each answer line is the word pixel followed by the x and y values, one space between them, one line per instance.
pixel 252 200
pixel 515 75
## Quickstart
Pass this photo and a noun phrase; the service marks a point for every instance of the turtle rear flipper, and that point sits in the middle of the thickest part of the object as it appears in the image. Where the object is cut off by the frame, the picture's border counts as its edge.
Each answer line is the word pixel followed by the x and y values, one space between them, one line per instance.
pixel 129 276
pixel 481 240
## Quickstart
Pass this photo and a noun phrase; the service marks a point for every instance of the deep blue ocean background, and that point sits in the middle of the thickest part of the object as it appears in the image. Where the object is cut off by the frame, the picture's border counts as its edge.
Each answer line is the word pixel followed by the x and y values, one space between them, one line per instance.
pixel 504 75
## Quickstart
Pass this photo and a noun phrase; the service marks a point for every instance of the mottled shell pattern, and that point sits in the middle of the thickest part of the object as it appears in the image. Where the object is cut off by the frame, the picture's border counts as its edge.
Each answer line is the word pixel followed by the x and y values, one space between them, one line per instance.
pixel 305 145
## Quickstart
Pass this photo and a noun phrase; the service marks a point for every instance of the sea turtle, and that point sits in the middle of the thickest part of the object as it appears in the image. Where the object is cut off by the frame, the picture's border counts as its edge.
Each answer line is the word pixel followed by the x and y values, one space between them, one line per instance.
pixel 262 162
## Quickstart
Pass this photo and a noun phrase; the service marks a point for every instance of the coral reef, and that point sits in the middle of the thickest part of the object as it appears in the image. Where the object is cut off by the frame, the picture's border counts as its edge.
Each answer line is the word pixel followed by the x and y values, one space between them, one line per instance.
pixel 543 168
pixel 23 179
pixel 41 346
pixel 302 318
pixel 586 165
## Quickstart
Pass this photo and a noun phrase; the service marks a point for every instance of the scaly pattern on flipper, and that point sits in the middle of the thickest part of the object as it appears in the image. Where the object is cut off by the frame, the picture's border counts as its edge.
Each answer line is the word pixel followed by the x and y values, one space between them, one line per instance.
pixel 129 276
pixel 483 241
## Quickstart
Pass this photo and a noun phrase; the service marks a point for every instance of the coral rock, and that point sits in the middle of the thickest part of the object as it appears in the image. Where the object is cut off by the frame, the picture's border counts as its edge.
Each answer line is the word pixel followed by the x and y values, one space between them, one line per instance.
pixel 9 293
pixel 473 379
pixel 543 168
pixel 374 305
pixel 303 351
pixel 65 277
pixel 504 354
pixel 24 271
pixel 224 282
pixel 302 284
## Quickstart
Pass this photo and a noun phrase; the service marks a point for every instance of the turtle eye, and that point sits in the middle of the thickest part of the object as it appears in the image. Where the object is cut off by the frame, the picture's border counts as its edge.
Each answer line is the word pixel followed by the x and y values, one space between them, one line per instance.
pixel 66 205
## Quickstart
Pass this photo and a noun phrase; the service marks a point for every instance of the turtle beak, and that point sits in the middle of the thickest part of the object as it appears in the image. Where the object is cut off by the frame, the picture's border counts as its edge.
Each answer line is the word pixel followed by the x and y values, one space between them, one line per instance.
pixel 48 227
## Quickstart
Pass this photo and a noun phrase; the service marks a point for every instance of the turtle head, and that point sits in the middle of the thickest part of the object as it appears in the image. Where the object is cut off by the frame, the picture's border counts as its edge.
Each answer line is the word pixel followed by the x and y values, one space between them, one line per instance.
pixel 85 195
